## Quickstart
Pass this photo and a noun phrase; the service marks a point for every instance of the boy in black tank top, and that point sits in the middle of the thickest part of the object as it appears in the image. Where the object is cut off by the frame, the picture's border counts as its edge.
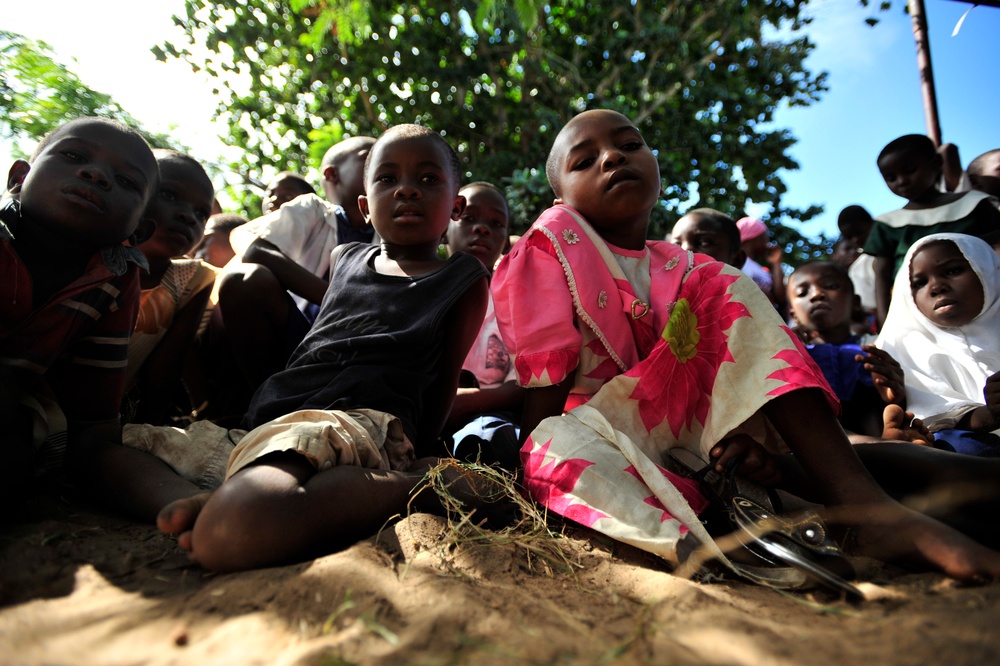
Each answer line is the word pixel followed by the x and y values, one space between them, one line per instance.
pixel 331 456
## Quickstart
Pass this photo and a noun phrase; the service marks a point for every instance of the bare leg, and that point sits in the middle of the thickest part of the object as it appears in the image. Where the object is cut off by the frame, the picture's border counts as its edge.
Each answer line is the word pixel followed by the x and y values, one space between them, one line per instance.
pixel 885 529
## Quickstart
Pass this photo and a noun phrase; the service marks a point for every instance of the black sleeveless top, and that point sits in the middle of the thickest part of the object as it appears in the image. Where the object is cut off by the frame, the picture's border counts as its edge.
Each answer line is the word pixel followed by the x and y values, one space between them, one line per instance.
pixel 376 343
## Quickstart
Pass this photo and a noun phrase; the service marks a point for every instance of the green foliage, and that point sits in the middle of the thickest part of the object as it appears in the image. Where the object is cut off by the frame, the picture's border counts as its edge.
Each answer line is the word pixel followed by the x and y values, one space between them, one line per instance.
pixel 499 79
pixel 37 94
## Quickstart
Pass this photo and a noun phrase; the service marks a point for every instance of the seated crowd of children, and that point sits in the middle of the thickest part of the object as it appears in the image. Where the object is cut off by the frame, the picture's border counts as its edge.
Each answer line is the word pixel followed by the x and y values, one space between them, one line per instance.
pixel 337 348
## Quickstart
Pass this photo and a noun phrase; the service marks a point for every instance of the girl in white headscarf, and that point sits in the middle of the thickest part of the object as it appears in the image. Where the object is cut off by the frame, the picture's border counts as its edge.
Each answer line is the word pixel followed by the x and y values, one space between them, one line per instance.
pixel 944 329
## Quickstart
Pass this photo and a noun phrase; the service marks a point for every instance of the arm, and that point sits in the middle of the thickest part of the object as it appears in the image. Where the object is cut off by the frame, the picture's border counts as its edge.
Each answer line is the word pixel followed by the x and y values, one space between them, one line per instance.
pixel 543 402
pixel 471 401
pixel 464 320
pixel 294 277
pixel 951 168
pixel 780 295
pixel 883 287
pixel 162 370
pixel 987 417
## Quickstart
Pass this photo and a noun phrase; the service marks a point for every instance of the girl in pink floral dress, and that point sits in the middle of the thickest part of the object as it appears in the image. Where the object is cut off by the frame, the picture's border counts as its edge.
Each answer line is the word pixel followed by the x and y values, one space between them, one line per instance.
pixel 653 348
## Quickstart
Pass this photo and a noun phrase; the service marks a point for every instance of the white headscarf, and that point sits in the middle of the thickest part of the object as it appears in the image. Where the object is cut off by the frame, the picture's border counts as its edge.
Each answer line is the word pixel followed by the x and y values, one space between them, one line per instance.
pixel 945 368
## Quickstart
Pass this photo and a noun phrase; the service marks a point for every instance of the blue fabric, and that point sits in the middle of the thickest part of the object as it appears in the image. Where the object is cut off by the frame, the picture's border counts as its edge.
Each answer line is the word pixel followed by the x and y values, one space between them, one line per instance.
pixel 980 444
pixel 490 439
pixel 839 367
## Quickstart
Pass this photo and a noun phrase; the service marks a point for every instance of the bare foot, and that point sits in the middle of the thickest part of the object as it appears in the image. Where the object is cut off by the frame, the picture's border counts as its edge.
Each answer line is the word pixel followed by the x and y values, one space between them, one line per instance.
pixel 486 497
pixel 904 427
pixel 894 533
pixel 179 518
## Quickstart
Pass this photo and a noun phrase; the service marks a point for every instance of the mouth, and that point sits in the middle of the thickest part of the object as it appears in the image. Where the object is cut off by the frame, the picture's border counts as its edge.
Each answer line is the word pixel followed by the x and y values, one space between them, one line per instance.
pixel 408 214
pixel 86 195
pixel 621 176
pixel 945 305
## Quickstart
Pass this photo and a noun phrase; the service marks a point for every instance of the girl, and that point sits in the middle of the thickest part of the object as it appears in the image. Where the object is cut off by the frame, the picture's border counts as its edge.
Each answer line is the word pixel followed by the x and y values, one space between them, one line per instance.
pixel 943 327
pixel 669 352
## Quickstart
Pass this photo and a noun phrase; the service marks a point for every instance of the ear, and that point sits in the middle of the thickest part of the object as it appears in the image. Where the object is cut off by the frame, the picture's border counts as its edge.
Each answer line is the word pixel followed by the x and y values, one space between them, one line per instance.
pixel 557 201
pixel 331 174
pixel 363 206
pixel 143 232
pixel 459 207
pixel 739 259
pixel 15 177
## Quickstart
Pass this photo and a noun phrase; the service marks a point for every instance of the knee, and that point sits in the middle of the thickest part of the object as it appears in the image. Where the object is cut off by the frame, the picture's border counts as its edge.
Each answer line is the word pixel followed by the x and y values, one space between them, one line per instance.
pixel 227 535
pixel 248 284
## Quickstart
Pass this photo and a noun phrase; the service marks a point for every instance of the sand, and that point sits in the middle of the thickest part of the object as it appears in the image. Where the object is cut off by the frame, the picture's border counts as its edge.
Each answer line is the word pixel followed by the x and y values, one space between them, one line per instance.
pixel 80 587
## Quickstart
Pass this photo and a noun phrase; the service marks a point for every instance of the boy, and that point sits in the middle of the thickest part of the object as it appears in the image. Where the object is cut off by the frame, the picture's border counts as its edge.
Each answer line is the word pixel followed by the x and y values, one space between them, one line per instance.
pixel 283 188
pixel 855 224
pixel 68 305
pixel 710 232
pixel 704 356
pixel 911 167
pixel 483 420
pixel 269 300
pixel 215 248
pixel 387 347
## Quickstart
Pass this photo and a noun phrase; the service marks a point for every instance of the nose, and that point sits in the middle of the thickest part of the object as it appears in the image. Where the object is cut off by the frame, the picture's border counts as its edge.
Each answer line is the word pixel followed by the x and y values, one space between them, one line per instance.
pixel 95 174
pixel 612 156
pixel 406 190
pixel 817 293
pixel 481 228
pixel 936 285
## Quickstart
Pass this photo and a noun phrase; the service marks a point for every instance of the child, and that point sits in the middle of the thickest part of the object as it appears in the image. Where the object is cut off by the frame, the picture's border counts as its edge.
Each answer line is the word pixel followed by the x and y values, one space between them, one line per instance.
pixel 771 280
pixel 943 327
pixel 984 173
pixel 68 305
pixel 671 352
pixel 911 167
pixel 283 188
pixel 483 421
pixel 388 346
pixel 175 291
pixel 867 380
pixel 710 232
pixel 215 248
pixel 855 224
pixel 268 301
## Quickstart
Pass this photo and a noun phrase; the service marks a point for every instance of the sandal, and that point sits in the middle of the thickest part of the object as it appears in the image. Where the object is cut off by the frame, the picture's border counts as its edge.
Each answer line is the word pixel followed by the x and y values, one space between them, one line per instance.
pixel 782 551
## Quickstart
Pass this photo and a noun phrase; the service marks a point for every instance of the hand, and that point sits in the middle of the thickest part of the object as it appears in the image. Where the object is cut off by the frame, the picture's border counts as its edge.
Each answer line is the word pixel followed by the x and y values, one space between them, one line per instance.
pixel 808 336
pixel 991 393
pixel 773 254
pixel 887 374
pixel 757 465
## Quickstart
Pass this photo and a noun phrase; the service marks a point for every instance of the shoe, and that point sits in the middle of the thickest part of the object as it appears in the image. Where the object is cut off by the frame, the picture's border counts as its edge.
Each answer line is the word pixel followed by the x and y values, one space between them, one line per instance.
pixel 782 551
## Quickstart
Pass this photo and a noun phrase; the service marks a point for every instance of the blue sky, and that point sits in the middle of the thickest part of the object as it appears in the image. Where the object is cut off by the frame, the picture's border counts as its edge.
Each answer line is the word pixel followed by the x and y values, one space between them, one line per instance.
pixel 874 91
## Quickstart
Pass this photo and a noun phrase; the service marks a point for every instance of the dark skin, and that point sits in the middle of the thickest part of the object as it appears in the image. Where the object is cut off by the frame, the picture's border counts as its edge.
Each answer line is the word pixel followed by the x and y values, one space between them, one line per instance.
pixel 280 508
pixel 803 418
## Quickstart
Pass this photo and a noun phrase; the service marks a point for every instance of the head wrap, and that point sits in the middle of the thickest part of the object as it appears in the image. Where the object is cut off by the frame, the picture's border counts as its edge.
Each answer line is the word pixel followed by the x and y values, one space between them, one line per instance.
pixel 750 227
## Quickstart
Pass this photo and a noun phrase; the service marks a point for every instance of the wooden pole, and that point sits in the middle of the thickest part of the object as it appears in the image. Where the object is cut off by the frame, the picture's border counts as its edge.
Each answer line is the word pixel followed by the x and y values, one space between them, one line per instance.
pixel 919 18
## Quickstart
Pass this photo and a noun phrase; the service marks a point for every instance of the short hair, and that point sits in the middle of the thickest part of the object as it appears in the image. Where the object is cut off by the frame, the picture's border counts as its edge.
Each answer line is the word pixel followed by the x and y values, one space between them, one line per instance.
pixel 727 223
pixel 916 144
pixel 854 213
pixel 978 165
pixel 301 183
pixel 226 222
pixel 837 268
pixel 411 131
pixel 336 153
pixel 117 124
pixel 168 154
pixel 488 186
pixel 550 162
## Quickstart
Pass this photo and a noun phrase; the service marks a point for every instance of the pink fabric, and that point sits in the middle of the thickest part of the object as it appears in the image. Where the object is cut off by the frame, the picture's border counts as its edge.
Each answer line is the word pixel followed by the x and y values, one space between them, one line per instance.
pixel 750 227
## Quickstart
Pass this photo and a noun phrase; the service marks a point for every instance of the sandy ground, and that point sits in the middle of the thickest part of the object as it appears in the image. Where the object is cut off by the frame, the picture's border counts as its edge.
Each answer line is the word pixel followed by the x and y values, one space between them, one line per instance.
pixel 80 587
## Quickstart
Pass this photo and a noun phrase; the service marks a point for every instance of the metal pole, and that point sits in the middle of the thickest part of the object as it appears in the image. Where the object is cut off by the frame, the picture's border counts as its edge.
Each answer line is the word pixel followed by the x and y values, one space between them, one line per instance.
pixel 919 18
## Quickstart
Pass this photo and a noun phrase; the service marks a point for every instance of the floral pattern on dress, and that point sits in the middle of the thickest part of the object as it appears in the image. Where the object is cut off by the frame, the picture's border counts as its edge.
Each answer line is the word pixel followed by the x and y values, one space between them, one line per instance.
pixel 553 483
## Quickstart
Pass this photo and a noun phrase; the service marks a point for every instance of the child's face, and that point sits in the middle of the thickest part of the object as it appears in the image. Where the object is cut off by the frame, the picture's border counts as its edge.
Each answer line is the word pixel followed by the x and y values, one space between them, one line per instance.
pixel 180 209
pixel 411 191
pixel 945 288
pixel 89 185
pixel 908 175
pixel 281 191
pixel 845 253
pixel 855 230
pixel 820 297
pixel 697 233
pixel 482 229
pixel 606 171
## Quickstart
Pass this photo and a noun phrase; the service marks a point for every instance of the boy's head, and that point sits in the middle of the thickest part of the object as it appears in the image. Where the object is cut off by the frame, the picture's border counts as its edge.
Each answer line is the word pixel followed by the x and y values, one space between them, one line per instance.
pixel 753 236
pixel 283 188
pixel 481 230
pixel 855 223
pixel 984 172
pixel 181 206
pixel 710 232
pixel 411 186
pixel 911 166
pixel 821 298
pixel 87 183
pixel 601 166
pixel 343 169
pixel 845 252
pixel 215 247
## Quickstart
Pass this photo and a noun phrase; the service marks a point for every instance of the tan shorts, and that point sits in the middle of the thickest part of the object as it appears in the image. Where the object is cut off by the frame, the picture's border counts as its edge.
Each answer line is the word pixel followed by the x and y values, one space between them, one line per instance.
pixel 327 438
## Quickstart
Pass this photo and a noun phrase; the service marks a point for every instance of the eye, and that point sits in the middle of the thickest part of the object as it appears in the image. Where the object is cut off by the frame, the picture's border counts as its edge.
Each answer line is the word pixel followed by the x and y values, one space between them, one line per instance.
pixel 632 145
pixel 202 215
pixel 72 156
pixel 431 178
pixel 583 164
pixel 917 283
pixel 129 183
pixel 385 178
pixel 169 195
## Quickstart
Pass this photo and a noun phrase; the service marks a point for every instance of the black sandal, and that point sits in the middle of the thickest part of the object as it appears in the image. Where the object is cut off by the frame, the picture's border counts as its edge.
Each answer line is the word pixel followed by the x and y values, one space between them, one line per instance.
pixel 788 552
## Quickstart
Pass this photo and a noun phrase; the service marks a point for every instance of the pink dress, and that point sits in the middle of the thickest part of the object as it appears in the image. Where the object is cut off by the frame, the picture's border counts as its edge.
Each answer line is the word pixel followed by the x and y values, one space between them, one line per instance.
pixel 681 353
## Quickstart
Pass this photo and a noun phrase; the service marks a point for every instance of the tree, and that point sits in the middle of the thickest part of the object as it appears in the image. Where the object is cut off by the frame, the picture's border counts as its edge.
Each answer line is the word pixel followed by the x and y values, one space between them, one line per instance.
pixel 37 94
pixel 702 80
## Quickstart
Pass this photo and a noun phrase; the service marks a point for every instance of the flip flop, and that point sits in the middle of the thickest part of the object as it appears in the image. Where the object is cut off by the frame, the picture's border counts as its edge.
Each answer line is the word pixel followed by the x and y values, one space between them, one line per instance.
pixel 782 551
